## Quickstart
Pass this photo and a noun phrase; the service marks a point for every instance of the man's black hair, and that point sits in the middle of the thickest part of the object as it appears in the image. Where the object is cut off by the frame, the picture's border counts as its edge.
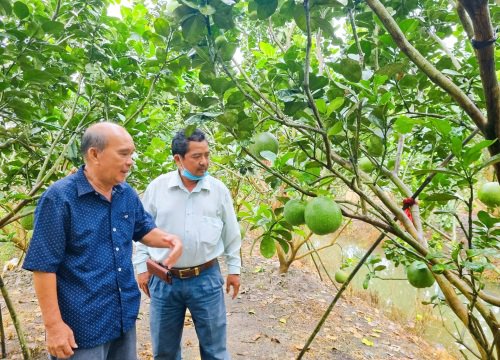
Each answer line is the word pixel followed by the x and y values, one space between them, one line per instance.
pixel 180 142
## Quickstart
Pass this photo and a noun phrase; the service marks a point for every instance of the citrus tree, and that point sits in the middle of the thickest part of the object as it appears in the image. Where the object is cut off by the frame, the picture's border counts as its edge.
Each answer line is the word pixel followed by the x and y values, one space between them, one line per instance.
pixel 368 104
pixel 393 101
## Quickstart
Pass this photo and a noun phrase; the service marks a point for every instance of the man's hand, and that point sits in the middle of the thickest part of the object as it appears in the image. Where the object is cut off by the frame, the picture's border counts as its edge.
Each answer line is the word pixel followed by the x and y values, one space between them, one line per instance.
pixel 161 239
pixel 60 340
pixel 233 280
pixel 175 249
pixel 143 281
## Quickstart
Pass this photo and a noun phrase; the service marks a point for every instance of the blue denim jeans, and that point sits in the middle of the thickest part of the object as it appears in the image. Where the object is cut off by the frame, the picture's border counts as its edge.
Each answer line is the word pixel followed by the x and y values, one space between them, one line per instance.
pixel 204 297
pixel 123 348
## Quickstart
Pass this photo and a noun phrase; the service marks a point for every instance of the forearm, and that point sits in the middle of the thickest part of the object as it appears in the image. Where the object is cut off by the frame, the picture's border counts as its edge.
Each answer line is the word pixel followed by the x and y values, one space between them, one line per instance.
pixel 46 292
pixel 155 238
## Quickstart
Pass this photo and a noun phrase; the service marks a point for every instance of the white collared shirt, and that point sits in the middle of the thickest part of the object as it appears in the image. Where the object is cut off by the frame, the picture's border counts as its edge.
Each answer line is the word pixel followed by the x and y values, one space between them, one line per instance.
pixel 204 219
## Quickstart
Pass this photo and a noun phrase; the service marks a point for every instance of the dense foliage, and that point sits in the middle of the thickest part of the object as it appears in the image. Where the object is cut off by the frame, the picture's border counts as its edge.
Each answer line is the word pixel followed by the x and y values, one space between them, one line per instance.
pixel 342 85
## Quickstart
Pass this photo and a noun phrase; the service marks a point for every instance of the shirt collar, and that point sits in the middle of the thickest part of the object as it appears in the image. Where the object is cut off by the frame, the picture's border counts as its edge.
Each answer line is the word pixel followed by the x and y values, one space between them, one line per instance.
pixel 83 185
pixel 176 181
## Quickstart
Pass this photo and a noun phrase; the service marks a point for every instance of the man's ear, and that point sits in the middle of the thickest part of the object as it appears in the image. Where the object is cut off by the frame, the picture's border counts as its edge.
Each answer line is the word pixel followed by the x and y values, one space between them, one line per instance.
pixel 92 155
pixel 177 159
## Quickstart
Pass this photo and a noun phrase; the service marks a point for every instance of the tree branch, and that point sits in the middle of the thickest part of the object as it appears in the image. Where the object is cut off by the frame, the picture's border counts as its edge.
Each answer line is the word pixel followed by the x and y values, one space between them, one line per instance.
pixel 423 64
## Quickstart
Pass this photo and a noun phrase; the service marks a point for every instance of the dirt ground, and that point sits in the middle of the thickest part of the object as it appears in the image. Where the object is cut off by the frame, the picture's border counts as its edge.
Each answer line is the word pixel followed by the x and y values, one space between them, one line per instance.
pixel 271 319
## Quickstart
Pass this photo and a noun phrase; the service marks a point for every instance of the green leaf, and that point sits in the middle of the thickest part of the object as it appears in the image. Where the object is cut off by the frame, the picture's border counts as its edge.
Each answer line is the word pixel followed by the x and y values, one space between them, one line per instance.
pixel 442 126
pixel 335 104
pixel 440 197
pixel 438 170
pixel 335 129
pixel 194 28
pixel 162 27
pixel 228 119
pixel 267 49
pixel 486 219
pixel 37 76
pixel 267 247
pixel 491 161
pixel 193 99
pixel 284 245
pixel 223 18
pixel 5 7
pixel 321 105
pixel 403 125
pixel 317 82
pixel 349 68
pixel 220 85
pixel 456 146
pixel 391 69
pixel 409 25
pixel 366 282
pixel 265 8
pixel 53 27
pixel 21 10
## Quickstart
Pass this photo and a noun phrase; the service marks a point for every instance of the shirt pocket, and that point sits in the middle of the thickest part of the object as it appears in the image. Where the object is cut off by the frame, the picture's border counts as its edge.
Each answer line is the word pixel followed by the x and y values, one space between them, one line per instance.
pixel 210 231
pixel 125 225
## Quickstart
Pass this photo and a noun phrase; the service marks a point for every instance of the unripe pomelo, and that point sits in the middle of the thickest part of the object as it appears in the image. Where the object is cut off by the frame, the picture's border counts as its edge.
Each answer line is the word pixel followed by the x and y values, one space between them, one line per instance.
pixel 341 276
pixel 419 275
pixel 27 221
pixel 375 146
pixel 264 142
pixel 294 212
pixel 366 165
pixel 220 41
pixel 322 215
pixel 489 194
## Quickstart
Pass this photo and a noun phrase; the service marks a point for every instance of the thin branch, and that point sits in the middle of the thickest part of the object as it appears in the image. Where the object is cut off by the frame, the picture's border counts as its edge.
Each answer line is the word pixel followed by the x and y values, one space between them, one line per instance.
pixel 423 64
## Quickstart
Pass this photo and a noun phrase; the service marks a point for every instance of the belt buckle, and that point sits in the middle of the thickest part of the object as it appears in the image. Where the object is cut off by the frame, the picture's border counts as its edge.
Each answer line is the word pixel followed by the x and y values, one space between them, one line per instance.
pixel 181 273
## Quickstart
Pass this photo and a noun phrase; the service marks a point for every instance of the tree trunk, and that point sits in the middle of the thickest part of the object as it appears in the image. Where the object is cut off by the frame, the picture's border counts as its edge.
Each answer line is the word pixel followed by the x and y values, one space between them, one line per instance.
pixel 15 320
pixel 484 38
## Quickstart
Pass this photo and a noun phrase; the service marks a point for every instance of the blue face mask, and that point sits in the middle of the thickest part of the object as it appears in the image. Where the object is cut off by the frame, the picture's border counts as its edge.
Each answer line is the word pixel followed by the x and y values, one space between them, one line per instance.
pixel 188 175
pixel 192 177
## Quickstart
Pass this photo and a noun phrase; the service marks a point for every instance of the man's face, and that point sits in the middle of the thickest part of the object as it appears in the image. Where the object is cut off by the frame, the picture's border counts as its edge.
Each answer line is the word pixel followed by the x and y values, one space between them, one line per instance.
pixel 197 158
pixel 115 161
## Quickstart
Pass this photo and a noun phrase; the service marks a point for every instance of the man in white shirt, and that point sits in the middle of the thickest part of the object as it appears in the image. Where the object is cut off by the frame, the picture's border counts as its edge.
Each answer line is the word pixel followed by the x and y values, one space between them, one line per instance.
pixel 198 208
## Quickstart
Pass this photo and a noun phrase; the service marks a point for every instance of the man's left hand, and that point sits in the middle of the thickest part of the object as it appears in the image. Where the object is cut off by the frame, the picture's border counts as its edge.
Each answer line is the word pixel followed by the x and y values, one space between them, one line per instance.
pixel 233 280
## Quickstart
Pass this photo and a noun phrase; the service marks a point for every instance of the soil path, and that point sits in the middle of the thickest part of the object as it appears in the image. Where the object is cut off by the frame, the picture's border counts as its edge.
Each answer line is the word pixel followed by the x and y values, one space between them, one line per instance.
pixel 270 319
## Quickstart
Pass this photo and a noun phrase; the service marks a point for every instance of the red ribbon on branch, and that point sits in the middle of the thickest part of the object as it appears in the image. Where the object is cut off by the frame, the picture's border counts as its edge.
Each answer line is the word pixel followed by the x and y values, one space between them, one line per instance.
pixel 407 204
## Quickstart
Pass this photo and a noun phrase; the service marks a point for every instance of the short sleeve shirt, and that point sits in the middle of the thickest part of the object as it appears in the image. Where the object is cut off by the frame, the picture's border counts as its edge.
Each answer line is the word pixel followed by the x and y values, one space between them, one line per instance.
pixel 86 241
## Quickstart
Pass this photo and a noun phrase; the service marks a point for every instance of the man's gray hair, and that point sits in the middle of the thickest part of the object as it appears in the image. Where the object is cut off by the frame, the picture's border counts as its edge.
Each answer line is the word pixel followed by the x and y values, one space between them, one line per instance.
pixel 93 138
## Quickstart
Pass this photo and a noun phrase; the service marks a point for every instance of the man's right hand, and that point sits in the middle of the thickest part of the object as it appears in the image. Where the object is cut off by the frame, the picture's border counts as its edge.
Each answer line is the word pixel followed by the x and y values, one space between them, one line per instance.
pixel 60 340
pixel 143 281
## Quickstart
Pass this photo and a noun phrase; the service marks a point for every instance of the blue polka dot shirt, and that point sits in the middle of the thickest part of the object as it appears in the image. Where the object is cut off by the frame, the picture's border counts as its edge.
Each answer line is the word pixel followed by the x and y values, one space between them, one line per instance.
pixel 86 241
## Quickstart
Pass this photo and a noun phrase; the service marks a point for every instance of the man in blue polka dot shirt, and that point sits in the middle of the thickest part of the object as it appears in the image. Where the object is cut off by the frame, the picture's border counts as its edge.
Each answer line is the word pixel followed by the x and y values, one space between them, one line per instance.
pixel 81 251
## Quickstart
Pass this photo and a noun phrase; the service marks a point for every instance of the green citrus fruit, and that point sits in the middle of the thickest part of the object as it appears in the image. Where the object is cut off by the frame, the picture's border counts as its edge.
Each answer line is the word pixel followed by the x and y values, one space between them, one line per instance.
pixel 489 194
pixel 375 146
pixel 322 215
pixel 264 142
pixel 28 220
pixel 294 212
pixel 341 276
pixel 419 275
pixel 366 165
pixel 220 41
